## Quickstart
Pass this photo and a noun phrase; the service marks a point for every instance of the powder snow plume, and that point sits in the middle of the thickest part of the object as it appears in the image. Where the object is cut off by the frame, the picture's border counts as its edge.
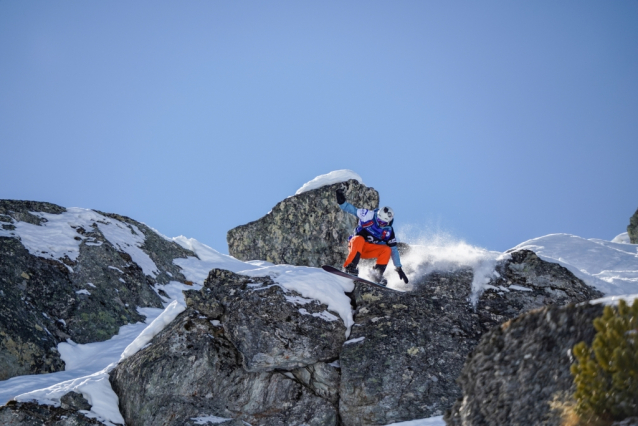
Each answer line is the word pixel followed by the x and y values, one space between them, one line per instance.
pixel 439 251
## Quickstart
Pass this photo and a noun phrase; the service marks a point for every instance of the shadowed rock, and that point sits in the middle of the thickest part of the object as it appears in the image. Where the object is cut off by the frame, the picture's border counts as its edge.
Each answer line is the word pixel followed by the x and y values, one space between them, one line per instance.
pixel 31 414
pixel 191 370
pixel 415 344
pixel 519 373
pixel 272 328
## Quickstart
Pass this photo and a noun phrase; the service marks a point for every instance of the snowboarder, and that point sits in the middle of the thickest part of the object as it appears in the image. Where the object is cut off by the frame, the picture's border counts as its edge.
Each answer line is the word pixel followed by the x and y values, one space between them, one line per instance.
pixel 373 238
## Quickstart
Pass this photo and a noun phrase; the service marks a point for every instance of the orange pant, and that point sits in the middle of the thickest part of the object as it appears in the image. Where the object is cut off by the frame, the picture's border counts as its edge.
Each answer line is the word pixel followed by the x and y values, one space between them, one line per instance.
pixel 368 250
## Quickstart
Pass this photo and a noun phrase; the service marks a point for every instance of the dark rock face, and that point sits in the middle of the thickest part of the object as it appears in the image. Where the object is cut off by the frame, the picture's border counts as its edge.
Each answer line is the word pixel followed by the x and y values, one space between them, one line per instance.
pixel 74 401
pixel 519 373
pixel 269 330
pixel 30 414
pixel 46 301
pixel 632 228
pixel 191 369
pixel 547 284
pixel 415 344
pixel 306 229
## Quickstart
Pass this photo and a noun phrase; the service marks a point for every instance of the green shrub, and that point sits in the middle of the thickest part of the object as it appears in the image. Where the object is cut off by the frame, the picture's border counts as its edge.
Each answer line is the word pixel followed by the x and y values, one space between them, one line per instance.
pixel 606 375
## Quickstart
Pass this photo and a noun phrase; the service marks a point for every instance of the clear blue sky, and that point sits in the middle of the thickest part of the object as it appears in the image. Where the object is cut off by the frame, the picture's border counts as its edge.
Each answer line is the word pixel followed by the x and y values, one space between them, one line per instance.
pixel 495 121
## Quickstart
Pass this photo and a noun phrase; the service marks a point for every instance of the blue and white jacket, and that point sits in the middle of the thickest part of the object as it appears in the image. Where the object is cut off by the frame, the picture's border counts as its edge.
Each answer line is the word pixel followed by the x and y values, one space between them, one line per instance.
pixel 369 229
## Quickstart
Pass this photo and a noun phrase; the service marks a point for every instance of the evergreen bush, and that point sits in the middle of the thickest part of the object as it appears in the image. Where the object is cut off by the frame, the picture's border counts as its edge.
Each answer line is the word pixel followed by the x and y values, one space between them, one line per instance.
pixel 606 375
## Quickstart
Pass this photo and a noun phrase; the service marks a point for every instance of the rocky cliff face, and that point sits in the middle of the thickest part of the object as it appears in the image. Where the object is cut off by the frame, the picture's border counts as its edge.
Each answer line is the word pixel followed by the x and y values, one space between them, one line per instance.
pixel 632 229
pixel 247 349
pixel 519 373
pixel 306 229
pixel 243 349
pixel 84 295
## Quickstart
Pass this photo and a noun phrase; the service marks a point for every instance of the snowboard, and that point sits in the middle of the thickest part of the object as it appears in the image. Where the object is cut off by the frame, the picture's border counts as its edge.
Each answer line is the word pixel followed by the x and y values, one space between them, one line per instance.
pixel 354 278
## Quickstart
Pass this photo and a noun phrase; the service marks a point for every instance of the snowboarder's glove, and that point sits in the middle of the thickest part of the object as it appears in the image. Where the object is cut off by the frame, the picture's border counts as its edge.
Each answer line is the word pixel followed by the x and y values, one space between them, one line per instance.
pixel 402 274
pixel 341 196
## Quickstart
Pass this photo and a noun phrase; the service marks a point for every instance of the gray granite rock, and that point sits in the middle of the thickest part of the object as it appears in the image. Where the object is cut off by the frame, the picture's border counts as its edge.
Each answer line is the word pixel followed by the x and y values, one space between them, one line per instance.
pixel 306 229
pixel 273 328
pixel 74 401
pixel 415 344
pixel 31 414
pixel 192 370
pixel 46 301
pixel 323 379
pixel 632 228
pixel 519 373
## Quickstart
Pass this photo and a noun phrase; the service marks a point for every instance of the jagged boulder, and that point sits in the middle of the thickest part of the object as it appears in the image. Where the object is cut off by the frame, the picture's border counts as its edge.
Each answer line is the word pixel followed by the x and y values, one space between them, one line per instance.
pixel 273 328
pixel 32 414
pixel 191 369
pixel 519 373
pixel 85 297
pixel 306 229
pixel 632 228
pixel 407 349
pixel 525 282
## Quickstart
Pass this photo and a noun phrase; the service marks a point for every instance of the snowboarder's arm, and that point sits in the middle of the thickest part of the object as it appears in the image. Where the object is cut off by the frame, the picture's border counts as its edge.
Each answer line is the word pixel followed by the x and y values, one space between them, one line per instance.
pixel 395 257
pixel 348 208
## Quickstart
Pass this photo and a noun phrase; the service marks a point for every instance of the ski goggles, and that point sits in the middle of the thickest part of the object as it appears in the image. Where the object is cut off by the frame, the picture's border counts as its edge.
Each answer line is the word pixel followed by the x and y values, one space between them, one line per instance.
pixel 381 223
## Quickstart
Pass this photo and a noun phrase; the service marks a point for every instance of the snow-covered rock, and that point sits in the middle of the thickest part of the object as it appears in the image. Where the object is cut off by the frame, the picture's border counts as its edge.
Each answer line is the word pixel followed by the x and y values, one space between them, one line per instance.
pixel 632 228
pixel 308 229
pixel 331 178
pixel 72 274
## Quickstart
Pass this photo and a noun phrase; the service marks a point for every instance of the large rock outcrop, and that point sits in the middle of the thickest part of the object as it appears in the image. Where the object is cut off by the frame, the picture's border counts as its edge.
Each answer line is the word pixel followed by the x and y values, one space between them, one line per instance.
pixel 272 328
pixel 519 373
pixel 632 228
pixel 306 229
pixel 85 296
pixel 407 349
pixel 243 349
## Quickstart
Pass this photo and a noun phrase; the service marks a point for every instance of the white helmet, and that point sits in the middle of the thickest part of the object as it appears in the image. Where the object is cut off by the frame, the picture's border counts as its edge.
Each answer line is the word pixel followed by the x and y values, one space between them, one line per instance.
pixel 385 215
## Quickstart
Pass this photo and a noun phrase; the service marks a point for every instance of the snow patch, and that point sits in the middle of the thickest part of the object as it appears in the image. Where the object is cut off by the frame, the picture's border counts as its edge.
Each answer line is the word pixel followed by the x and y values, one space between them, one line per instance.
pixel 357 340
pixel 57 237
pixel 622 238
pixel 329 179
pixel 196 269
pixel 611 267
pixel 520 288
pixel 312 283
pixel 83 291
pixel 325 315
pixel 158 324
pixel 430 421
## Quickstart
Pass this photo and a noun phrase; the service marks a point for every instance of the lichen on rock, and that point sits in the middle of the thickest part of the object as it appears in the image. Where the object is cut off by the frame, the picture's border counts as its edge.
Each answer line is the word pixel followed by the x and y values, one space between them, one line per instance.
pixel 307 229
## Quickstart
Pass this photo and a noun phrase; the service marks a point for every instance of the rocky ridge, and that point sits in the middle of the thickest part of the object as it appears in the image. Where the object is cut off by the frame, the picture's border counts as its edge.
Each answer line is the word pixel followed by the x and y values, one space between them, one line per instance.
pixel 48 300
pixel 248 350
pixel 400 363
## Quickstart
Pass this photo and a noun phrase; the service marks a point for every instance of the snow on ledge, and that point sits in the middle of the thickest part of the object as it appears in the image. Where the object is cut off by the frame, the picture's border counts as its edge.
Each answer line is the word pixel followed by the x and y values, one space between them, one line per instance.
pixel 329 179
